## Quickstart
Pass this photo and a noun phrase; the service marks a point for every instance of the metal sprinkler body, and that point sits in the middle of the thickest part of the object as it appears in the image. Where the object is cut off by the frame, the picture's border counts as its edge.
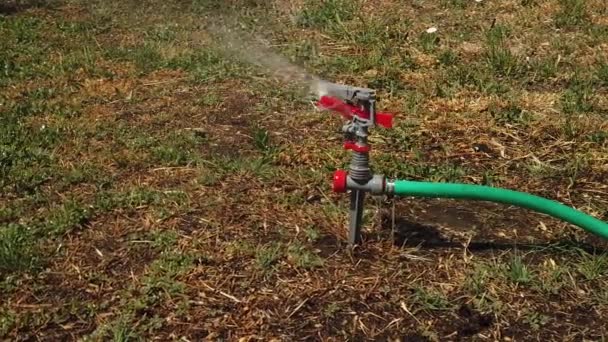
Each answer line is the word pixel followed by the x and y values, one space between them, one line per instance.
pixel 358 105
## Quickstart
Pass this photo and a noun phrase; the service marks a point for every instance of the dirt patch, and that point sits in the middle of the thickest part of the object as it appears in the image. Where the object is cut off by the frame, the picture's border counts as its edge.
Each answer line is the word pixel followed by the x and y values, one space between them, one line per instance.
pixel 12 7
pixel 472 322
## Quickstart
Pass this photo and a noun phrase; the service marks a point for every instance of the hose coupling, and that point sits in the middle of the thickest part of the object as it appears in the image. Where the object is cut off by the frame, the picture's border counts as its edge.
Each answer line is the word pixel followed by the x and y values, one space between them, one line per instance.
pixel 342 182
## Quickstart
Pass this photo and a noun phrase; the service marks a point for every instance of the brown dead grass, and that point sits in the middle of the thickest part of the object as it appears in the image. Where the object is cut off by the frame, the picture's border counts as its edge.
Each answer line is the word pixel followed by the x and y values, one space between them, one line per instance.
pixel 368 294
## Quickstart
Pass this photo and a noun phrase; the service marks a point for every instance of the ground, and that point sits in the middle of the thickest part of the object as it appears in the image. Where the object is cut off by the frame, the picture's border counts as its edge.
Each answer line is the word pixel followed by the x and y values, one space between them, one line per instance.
pixel 154 187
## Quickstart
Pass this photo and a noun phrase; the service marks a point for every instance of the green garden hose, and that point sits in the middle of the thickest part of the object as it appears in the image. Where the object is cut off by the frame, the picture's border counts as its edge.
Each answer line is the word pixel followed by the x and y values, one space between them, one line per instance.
pixel 486 193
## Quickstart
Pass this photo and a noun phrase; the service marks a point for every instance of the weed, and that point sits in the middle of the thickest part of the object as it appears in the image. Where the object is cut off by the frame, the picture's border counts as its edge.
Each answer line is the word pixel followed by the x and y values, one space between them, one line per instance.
pixel 241 249
pixel 210 177
pixel 326 14
pixel 536 320
pixel 312 234
pixel 599 138
pixel 598 34
pixel 122 331
pixel 25 161
pixel 448 58
pixel 164 239
pixel 430 299
pixel 512 114
pixel 388 81
pixel 552 278
pixel 209 100
pixel 489 178
pixel 7 321
pixel 163 33
pixel 602 73
pixel 161 282
pixel 147 57
pixel 178 149
pixel 261 139
pixel 303 258
pixel 8 214
pixel 518 271
pixel 545 67
pixel 577 98
pixel 574 166
pixel 498 56
pixel 592 267
pixel 331 309
pixel 428 41
pixel 477 281
pixel 206 65
pixel 18 249
pixel 68 216
pixel 138 197
pixel 267 256
pixel 456 4
pixel 435 172
pixel 467 75
pixel 572 13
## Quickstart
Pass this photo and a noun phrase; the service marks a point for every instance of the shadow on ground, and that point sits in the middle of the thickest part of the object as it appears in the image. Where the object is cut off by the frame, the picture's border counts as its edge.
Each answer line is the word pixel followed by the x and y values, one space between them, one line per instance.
pixel 407 233
pixel 10 7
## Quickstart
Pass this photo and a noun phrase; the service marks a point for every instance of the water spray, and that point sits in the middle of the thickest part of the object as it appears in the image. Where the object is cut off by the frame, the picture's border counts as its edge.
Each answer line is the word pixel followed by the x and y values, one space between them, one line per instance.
pixel 358 106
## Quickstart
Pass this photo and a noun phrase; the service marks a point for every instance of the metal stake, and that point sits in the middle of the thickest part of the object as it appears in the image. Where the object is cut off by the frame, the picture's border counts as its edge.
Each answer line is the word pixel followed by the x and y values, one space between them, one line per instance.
pixel 357 198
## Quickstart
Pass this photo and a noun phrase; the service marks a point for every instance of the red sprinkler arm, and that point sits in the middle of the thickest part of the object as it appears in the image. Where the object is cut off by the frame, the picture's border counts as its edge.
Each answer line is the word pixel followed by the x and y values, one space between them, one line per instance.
pixel 348 111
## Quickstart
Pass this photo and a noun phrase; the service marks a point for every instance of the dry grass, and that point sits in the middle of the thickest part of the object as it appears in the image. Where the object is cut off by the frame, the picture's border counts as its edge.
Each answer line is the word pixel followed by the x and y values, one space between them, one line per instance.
pixel 154 189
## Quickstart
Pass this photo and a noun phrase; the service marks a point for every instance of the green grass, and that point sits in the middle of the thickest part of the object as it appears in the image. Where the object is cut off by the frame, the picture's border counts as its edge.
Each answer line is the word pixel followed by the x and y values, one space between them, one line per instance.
pixel 18 249
pixel 429 299
pixel 179 149
pixel 518 272
pixel 433 172
pixel 536 320
pixel 68 216
pixel 132 206
pixel 303 258
pixel 573 13
pixel 25 161
pixel 499 57
pixel 512 114
pixel 593 267
pixel 327 14
pixel 267 256
pixel 448 58
pixel 602 73
pixel 428 41
pixel 123 332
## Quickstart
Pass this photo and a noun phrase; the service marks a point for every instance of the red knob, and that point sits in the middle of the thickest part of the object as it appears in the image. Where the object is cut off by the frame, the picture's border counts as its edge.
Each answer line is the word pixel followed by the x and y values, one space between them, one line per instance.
pixel 351 145
pixel 340 181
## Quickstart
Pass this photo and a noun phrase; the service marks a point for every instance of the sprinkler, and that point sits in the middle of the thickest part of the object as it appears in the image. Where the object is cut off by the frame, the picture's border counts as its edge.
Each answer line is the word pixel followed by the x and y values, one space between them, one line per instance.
pixel 358 106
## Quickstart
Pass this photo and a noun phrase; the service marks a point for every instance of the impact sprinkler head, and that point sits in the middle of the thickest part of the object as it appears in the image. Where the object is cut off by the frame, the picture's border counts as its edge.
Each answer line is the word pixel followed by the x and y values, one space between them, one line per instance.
pixel 358 106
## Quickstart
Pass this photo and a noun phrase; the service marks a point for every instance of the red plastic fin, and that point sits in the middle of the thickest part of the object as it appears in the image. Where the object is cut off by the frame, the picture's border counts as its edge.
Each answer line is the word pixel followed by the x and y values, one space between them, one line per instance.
pixel 348 111
pixel 332 103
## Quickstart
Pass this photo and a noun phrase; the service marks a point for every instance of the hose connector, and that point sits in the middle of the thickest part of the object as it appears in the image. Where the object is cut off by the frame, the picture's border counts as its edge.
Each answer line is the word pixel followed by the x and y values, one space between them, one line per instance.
pixel 343 182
